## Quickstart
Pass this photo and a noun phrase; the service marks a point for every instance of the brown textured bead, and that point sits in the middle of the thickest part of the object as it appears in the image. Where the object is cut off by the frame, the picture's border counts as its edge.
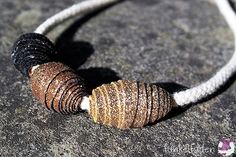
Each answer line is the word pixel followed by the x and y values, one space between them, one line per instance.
pixel 58 87
pixel 125 104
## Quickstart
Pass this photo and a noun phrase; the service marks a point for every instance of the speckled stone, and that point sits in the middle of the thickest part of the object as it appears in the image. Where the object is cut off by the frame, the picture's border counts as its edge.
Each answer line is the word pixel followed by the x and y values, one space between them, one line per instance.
pixel 165 41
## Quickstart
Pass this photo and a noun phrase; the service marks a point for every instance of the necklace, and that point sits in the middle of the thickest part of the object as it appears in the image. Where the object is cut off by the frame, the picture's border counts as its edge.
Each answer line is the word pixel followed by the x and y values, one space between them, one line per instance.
pixel 122 104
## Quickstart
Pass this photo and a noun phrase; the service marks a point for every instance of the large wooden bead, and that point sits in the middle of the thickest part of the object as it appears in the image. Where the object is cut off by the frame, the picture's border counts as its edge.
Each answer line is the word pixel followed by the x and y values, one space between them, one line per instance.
pixel 124 104
pixel 58 87
pixel 31 49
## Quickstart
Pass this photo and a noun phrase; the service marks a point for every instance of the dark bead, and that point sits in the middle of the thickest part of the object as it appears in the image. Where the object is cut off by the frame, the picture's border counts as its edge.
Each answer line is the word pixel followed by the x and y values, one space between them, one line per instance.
pixel 31 49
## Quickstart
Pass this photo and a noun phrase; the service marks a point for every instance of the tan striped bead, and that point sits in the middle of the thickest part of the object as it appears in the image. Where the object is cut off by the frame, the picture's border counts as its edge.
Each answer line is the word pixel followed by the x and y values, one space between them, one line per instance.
pixel 126 104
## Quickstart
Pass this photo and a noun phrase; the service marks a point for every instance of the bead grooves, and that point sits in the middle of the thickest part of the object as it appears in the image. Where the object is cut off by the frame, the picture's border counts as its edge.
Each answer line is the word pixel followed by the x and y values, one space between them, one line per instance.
pixel 125 104
pixel 58 87
pixel 30 50
pixel 121 104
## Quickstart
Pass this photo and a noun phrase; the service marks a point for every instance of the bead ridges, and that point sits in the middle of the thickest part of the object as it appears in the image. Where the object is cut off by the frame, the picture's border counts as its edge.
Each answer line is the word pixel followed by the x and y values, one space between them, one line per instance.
pixel 127 104
pixel 30 50
pixel 58 87
pixel 122 104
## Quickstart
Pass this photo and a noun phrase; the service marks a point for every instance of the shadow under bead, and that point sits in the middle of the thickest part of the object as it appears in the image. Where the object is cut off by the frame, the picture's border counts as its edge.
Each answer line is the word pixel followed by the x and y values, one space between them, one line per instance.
pixel 30 50
pixel 58 87
pixel 128 104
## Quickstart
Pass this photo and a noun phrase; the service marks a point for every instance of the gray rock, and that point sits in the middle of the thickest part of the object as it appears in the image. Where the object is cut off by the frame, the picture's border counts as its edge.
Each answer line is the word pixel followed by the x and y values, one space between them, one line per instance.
pixel 179 41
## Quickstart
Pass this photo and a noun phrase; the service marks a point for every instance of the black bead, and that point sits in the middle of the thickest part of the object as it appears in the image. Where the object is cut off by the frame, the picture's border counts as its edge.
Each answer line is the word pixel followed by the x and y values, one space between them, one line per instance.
pixel 32 49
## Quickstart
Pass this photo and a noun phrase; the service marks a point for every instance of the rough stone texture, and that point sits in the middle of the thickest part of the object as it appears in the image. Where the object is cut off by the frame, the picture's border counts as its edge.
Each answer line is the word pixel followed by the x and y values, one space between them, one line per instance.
pixel 153 40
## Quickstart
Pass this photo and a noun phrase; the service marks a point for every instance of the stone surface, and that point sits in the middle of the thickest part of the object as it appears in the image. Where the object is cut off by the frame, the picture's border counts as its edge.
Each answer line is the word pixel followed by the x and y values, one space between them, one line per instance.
pixel 178 41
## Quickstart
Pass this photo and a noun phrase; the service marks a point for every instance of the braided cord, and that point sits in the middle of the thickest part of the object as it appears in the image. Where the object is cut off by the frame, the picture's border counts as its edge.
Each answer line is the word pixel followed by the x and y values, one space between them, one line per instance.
pixel 182 98
pixel 76 9
pixel 207 88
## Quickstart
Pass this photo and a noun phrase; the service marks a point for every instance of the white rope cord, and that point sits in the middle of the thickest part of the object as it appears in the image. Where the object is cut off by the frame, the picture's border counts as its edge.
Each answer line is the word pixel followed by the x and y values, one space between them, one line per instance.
pixel 209 87
pixel 183 97
pixel 80 8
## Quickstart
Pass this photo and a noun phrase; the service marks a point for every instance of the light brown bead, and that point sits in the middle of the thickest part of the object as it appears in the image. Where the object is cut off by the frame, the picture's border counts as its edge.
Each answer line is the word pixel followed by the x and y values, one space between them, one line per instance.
pixel 125 104
pixel 57 87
